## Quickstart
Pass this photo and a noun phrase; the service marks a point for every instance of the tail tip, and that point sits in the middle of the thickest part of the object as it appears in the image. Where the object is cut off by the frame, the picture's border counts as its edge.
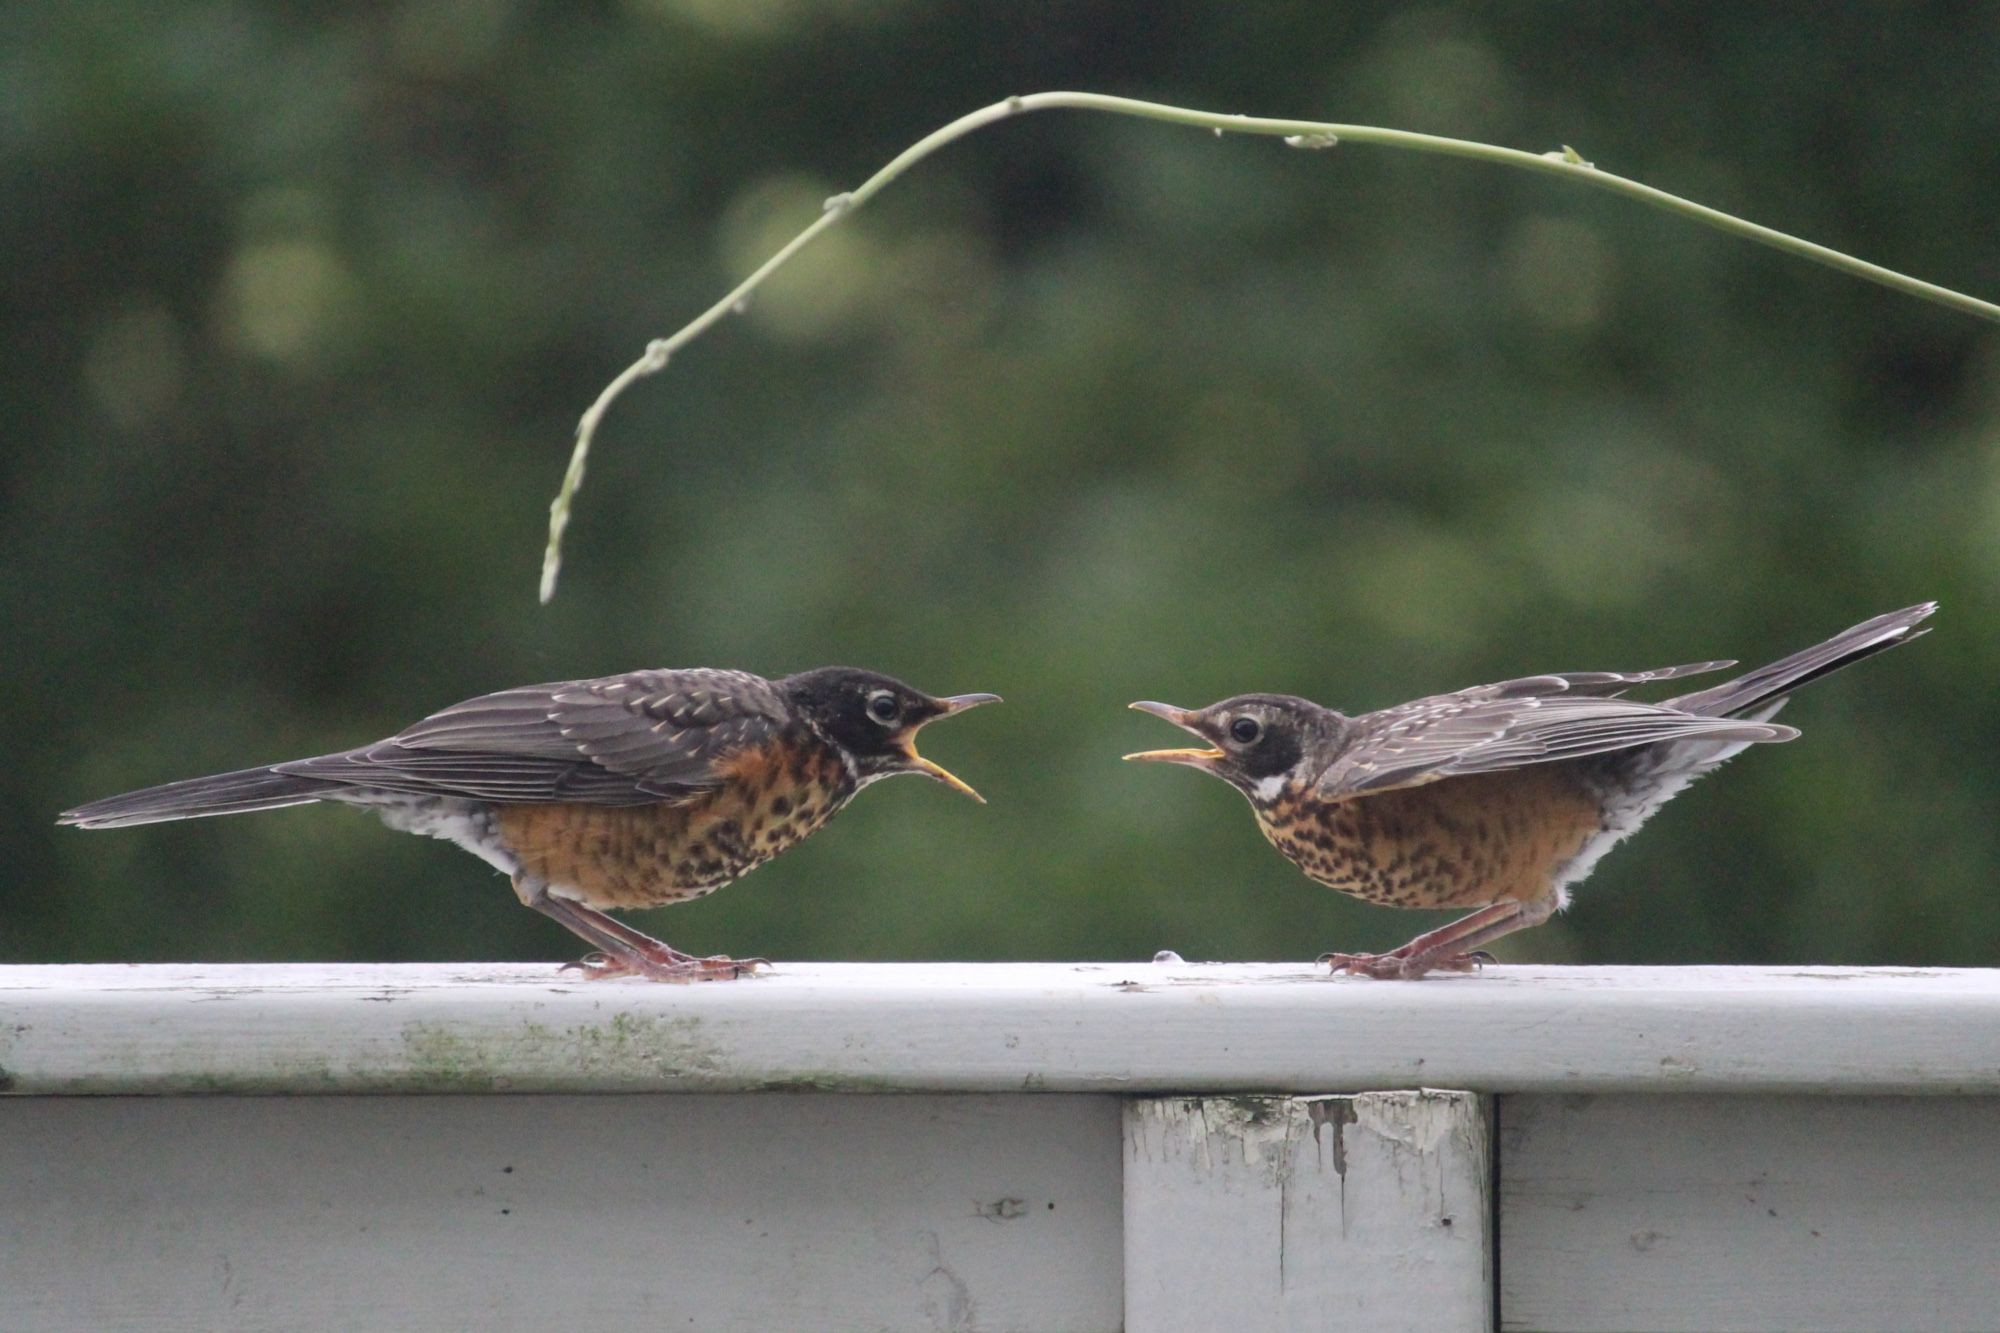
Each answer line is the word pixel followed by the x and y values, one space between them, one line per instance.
pixel 1908 623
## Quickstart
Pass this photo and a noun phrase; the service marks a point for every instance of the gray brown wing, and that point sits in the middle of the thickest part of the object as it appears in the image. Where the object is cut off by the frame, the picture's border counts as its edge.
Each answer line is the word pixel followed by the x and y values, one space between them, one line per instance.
pixel 1481 731
pixel 1585 682
pixel 618 740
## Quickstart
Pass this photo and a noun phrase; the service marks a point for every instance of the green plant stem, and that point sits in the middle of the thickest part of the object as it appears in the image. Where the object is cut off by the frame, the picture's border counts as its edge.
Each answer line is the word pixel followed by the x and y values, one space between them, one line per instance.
pixel 1300 133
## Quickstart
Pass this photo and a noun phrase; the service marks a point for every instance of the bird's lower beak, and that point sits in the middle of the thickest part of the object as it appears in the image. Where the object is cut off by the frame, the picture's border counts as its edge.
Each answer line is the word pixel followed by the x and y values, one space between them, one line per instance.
pixel 938 772
pixel 956 703
pixel 1184 719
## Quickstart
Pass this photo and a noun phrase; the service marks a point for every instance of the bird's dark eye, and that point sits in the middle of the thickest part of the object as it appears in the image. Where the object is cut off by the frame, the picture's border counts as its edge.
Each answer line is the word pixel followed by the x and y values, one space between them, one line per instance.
pixel 1245 731
pixel 884 707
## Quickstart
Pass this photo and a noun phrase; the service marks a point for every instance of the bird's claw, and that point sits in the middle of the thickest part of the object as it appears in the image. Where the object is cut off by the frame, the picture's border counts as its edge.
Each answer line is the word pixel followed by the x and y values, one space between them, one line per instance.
pixel 1401 965
pixel 669 965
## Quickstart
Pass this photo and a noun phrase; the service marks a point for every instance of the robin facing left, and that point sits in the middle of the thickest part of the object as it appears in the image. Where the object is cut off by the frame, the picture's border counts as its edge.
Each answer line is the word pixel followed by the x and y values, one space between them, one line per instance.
pixel 638 790
pixel 1497 797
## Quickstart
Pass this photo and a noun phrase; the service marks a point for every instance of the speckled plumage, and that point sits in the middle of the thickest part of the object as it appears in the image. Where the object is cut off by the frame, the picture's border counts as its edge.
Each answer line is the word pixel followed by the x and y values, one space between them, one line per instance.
pixel 1497 797
pixel 1450 844
pixel 616 857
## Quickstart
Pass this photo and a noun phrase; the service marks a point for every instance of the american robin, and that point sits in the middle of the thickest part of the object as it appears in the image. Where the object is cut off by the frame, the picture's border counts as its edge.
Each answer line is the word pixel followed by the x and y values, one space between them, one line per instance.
pixel 1497 797
pixel 627 791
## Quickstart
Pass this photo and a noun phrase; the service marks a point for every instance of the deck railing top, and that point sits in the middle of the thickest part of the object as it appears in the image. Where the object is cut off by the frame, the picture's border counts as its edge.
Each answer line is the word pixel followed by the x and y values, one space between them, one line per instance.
pixel 1130 1028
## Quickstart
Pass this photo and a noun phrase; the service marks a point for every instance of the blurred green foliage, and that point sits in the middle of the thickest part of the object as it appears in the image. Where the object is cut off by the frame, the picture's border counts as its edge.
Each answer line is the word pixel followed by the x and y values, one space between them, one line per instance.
pixel 302 302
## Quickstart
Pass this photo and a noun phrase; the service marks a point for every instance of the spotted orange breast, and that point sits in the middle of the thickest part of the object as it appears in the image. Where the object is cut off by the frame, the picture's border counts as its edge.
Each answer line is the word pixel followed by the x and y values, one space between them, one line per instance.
pixel 650 855
pixel 1460 842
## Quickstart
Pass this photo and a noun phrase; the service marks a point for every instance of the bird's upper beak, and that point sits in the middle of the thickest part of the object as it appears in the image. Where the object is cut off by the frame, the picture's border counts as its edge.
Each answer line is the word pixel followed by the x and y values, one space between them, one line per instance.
pixel 956 703
pixel 1187 720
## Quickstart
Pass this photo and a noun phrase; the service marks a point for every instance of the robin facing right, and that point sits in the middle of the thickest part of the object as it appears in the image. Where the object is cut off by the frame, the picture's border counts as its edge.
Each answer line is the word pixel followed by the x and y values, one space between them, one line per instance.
pixel 627 791
pixel 1498 797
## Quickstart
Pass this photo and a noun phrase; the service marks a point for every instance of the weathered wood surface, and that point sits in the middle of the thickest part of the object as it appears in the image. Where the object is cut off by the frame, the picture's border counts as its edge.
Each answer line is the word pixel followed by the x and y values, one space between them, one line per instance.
pixel 1132 1028
pixel 209 1215
pixel 1839 1214
pixel 1367 1212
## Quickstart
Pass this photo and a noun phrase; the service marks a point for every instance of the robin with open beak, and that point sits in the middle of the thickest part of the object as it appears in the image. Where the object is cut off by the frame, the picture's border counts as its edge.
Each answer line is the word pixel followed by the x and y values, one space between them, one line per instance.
pixel 1499 797
pixel 628 791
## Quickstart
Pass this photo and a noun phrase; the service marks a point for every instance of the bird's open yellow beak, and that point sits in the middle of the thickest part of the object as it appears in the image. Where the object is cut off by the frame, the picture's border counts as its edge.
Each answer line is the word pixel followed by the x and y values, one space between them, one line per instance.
pixel 956 703
pixel 1184 718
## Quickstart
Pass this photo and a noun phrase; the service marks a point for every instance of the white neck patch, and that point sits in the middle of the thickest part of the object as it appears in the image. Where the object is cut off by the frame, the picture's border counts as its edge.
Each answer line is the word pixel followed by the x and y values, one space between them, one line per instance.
pixel 1267 789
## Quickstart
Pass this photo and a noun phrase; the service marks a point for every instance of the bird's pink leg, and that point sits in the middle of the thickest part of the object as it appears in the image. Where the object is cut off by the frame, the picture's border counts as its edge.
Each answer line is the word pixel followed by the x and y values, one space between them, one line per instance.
pixel 1449 948
pixel 623 951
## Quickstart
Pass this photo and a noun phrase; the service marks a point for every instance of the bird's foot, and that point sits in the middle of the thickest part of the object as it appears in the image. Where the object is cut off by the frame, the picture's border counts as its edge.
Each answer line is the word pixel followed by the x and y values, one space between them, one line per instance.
pixel 668 964
pixel 1403 965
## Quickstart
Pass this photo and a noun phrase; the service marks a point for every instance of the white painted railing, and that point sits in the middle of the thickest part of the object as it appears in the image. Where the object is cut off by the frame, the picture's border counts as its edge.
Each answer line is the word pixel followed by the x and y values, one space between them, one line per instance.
pixel 1206 1147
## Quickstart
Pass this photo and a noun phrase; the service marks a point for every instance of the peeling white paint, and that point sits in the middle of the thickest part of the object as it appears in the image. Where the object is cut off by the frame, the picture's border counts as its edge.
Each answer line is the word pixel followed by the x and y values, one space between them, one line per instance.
pixel 1417 1120
pixel 1329 1212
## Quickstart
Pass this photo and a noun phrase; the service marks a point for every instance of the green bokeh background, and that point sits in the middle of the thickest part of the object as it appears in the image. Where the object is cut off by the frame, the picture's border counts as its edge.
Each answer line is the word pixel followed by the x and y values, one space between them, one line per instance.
pixel 302 302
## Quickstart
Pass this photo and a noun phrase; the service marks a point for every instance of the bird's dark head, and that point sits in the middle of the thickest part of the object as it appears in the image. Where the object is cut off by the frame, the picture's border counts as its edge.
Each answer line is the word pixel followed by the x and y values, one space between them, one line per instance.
pixel 874 720
pixel 1255 741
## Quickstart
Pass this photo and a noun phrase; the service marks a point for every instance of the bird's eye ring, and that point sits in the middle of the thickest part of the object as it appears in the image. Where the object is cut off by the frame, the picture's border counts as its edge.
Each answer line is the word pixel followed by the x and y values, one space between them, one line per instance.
pixel 884 707
pixel 1245 731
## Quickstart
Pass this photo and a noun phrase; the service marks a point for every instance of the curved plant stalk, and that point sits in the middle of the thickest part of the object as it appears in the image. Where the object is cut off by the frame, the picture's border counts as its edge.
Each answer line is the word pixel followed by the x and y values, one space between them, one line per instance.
pixel 1305 134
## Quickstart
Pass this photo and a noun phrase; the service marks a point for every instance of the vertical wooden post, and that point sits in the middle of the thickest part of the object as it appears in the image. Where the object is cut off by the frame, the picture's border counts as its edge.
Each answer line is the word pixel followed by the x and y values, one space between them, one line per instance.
pixel 1369 1211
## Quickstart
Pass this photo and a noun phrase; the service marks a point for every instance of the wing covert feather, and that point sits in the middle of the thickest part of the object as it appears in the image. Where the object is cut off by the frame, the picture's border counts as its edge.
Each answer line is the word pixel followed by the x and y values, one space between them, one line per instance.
pixel 1487 729
pixel 618 740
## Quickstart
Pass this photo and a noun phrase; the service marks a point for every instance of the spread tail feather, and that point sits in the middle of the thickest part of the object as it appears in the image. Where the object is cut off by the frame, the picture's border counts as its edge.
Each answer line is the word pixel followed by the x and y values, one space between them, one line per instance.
pixel 221 794
pixel 1762 690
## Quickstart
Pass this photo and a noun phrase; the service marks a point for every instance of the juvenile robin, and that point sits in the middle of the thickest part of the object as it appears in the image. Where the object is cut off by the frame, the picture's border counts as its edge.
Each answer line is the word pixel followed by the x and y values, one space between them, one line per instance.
pixel 1498 797
pixel 628 791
